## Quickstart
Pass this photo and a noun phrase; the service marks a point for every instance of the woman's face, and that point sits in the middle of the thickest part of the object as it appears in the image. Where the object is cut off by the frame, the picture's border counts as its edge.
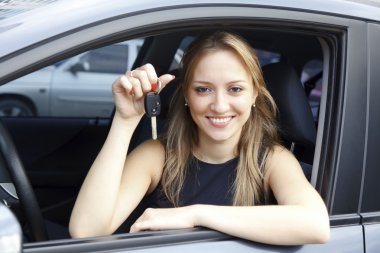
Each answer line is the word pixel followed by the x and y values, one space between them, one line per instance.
pixel 220 97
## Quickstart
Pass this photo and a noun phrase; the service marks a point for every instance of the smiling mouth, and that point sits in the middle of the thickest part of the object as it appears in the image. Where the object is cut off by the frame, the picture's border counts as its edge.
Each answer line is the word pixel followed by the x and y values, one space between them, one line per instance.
pixel 220 120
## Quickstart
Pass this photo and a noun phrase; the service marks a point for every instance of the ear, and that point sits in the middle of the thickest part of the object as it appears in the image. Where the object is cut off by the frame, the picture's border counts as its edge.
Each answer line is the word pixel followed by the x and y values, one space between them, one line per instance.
pixel 255 94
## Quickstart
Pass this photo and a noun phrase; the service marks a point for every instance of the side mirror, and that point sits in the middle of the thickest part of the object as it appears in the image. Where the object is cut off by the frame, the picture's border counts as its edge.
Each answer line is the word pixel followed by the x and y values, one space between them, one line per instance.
pixel 10 231
pixel 77 67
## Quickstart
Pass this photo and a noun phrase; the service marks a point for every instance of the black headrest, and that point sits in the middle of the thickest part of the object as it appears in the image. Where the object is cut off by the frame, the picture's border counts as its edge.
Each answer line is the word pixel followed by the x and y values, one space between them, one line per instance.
pixel 295 116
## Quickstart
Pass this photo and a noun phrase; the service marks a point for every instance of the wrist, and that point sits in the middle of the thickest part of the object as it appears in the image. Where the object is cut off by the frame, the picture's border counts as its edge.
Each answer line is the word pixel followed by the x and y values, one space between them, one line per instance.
pixel 196 214
pixel 130 121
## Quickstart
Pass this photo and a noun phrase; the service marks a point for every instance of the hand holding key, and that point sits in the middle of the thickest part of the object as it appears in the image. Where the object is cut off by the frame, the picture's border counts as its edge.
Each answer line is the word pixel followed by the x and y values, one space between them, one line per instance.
pixel 130 89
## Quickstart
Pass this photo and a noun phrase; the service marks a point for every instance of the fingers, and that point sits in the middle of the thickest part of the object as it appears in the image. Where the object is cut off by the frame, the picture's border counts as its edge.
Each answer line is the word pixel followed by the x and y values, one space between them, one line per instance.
pixel 165 79
pixel 145 75
pixel 144 222
pixel 137 89
pixel 141 226
pixel 144 79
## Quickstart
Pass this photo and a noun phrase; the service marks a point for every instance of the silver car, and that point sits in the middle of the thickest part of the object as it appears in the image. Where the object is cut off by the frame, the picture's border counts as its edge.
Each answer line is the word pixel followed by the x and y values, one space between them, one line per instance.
pixel 331 46
pixel 75 87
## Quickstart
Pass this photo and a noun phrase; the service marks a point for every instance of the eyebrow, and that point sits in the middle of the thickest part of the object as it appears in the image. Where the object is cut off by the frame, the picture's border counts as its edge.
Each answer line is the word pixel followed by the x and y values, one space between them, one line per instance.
pixel 206 82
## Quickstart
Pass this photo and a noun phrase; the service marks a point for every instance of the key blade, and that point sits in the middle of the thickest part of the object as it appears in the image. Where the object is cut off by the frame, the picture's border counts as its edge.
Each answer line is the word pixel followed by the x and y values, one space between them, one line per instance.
pixel 153 121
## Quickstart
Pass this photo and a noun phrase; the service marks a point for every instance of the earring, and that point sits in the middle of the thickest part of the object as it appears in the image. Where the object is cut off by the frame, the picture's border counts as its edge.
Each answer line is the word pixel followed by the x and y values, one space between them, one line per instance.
pixel 186 104
pixel 254 105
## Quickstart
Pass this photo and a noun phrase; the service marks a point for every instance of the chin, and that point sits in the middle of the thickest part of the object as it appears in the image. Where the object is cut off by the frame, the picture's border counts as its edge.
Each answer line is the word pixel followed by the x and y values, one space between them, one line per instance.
pixel 220 137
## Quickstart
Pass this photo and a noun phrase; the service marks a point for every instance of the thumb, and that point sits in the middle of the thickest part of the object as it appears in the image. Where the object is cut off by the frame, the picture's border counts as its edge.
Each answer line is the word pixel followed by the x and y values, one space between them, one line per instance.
pixel 165 79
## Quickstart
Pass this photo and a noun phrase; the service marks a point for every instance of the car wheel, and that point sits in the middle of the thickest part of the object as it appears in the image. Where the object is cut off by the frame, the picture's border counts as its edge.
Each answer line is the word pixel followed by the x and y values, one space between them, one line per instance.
pixel 15 108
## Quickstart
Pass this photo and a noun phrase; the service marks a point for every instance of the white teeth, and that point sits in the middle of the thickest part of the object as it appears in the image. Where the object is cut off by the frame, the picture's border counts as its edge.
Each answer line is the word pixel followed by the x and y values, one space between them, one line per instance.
pixel 220 120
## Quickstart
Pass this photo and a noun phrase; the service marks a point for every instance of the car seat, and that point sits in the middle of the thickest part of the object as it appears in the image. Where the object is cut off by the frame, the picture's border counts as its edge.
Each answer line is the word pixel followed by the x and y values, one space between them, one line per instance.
pixel 296 123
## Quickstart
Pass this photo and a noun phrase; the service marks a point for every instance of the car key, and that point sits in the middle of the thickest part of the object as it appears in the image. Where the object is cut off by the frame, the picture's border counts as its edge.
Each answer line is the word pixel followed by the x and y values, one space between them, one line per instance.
pixel 152 104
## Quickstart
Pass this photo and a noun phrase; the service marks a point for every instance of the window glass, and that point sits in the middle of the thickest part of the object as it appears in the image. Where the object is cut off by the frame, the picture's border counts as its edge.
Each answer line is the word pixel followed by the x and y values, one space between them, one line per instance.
pixel 266 57
pixel 79 86
pixel 109 59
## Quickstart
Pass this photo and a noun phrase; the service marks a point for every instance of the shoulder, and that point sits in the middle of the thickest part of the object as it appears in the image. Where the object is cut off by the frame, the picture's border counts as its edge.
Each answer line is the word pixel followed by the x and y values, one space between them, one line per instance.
pixel 281 157
pixel 150 152
pixel 152 144
pixel 284 175
pixel 152 147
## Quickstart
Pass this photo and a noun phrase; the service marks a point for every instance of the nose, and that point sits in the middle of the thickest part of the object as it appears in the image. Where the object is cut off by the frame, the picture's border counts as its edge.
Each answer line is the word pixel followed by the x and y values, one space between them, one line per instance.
pixel 220 104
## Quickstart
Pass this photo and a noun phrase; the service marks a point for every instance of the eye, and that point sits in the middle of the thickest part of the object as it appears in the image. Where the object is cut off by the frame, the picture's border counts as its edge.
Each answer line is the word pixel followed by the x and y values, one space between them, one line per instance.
pixel 236 89
pixel 202 89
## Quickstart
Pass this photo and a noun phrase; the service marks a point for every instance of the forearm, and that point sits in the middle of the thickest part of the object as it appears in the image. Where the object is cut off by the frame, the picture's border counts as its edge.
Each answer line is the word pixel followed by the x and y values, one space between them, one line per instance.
pixel 282 225
pixel 95 205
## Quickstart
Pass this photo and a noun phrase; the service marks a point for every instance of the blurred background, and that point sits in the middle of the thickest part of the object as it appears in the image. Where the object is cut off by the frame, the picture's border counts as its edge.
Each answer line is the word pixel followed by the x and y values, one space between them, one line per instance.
pixel 12 7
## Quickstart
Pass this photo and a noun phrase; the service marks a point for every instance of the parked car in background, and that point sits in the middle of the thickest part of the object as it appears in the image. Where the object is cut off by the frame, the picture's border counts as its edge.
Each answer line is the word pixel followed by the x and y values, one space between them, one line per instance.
pixel 327 49
pixel 74 87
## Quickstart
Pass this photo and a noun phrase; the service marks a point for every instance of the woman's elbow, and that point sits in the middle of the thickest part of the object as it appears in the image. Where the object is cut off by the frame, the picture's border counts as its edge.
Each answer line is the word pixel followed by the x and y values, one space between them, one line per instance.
pixel 76 231
pixel 322 231
pixel 323 236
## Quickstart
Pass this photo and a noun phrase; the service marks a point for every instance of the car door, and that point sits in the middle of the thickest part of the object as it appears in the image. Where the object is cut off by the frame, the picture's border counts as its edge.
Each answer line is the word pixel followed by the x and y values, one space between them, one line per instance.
pixel 370 203
pixel 338 159
pixel 347 232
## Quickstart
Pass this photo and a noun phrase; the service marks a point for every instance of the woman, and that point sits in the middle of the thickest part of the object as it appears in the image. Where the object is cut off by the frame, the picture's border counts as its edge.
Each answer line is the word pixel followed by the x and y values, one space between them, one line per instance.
pixel 219 164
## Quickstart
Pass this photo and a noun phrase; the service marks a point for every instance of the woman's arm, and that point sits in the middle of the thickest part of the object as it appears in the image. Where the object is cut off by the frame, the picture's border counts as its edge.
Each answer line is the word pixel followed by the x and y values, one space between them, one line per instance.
pixel 299 218
pixel 115 184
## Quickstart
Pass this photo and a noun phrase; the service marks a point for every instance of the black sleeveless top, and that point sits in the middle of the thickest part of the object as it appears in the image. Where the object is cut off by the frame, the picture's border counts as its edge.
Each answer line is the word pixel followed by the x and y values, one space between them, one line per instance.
pixel 205 183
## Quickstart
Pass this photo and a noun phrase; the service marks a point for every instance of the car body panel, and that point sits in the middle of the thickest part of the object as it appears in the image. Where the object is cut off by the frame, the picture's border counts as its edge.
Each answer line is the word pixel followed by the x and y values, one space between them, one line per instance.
pixel 105 27
pixel 353 122
pixel 371 188
pixel 195 240
pixel 372 232
pixel 340 157
pixel 370 204
pixel 100 10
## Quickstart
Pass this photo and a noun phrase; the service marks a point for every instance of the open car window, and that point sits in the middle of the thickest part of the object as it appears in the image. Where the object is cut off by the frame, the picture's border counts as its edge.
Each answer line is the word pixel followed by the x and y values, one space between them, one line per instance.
pixel 59 114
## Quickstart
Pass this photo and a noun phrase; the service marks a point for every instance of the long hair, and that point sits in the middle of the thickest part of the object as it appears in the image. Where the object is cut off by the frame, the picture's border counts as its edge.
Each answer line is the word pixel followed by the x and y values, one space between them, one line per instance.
pixel 258 137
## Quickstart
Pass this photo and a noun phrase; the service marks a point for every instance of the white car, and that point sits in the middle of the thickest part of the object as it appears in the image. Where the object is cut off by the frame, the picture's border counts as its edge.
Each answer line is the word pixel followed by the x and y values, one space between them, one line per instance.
pixel 75 87
pixel 327 51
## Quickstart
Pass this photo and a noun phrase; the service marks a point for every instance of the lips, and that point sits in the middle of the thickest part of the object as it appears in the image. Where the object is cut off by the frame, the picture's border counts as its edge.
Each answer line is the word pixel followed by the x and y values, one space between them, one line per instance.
pixel 220 121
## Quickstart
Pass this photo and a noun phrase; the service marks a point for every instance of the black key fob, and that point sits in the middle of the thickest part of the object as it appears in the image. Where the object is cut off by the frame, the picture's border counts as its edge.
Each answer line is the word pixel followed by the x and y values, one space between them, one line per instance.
pixel 152 104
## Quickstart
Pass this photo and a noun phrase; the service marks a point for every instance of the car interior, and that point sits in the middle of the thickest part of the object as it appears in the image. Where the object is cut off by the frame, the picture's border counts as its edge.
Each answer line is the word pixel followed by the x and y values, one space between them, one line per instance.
pixel 48 162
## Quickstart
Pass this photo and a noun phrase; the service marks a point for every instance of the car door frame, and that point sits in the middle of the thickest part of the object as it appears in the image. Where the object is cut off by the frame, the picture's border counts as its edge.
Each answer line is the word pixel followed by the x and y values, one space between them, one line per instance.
pixel 369 201
pixel 340 131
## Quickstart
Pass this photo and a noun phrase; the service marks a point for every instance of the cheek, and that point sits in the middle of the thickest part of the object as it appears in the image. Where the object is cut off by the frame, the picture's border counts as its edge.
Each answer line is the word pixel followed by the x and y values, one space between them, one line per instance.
pixel 197 104
pixel 242 106
pixel 197 109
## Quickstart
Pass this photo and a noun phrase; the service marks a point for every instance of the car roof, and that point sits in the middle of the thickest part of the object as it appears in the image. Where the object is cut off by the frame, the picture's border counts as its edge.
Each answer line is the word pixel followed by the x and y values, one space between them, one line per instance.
pixel 27 28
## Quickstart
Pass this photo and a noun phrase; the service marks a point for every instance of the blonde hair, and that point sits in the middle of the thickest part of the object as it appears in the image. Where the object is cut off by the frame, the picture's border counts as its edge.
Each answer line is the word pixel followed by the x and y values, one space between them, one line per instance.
pixel 258 137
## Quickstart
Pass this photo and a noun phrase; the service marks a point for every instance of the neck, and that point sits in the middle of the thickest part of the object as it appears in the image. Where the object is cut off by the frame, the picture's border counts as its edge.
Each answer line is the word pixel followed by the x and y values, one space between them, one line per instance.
pixel 215 152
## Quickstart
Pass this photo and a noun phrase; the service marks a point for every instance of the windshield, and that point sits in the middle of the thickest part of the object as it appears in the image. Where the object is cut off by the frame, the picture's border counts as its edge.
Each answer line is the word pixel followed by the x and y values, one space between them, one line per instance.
pixel 13 7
